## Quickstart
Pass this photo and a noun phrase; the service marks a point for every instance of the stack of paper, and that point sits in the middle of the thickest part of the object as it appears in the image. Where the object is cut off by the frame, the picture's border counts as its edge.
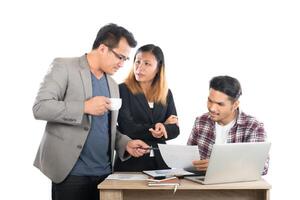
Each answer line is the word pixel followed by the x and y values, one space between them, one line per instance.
pixel 127 176
pixel 171 181
pixel 165 173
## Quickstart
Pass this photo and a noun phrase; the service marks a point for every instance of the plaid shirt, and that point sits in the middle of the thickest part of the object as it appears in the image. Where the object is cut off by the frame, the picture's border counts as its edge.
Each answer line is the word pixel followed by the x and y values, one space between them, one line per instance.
pixel 246 129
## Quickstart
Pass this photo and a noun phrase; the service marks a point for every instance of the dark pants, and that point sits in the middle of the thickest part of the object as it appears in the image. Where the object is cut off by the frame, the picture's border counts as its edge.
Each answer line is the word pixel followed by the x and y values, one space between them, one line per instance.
pixel 77 188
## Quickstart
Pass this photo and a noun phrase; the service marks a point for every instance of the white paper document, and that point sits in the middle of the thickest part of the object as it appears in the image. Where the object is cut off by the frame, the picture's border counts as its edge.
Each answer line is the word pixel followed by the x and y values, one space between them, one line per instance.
pixel 179 156
pixel 127 176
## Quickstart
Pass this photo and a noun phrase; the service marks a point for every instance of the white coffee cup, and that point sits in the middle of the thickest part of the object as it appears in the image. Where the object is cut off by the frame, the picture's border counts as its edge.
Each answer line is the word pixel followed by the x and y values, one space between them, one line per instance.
pixel 115 103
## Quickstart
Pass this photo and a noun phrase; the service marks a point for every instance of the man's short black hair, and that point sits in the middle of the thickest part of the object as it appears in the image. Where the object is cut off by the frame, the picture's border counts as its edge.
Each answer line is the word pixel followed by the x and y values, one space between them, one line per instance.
pixel 227 85
pixel 111 34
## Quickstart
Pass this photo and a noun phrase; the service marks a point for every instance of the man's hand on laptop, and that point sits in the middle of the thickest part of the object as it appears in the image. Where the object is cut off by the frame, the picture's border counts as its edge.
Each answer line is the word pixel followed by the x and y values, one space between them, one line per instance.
pixel 201 165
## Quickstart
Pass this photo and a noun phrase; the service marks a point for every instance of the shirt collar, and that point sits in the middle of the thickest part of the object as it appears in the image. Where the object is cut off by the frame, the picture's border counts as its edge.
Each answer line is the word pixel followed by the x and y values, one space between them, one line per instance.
pixel 241 118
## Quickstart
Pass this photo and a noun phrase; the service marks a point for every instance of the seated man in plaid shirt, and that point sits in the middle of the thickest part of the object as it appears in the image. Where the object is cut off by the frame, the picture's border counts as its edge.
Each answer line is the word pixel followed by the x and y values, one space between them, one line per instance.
pixel 224 122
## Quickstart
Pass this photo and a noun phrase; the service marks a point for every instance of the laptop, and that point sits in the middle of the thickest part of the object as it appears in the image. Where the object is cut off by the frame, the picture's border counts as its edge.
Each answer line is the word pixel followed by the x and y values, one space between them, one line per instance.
pixel 235 162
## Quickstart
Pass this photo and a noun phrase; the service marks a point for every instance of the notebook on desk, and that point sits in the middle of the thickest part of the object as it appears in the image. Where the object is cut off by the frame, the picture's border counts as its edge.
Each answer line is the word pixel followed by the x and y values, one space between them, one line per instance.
pixel 165 173
pixel 235 162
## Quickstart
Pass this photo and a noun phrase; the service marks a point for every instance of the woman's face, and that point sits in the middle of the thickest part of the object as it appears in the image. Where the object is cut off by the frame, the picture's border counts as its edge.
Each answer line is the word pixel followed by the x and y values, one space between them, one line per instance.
pixel 145 67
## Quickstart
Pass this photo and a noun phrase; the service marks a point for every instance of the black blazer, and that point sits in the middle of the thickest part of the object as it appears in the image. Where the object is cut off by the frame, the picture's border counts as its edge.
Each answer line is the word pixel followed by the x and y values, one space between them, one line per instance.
pixel 135 119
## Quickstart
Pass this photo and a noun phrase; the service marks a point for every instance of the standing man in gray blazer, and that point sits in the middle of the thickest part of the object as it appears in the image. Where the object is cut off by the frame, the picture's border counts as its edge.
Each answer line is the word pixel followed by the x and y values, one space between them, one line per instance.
pixel 80 137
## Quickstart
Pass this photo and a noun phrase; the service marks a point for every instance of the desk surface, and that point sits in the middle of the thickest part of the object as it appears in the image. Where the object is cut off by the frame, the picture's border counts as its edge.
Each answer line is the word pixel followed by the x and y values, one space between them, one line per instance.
pixel 184 185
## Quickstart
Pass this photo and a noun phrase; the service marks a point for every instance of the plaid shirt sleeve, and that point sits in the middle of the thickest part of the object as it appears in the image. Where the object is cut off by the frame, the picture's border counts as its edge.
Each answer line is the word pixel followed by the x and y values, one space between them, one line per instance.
pixel 259 135
pixel 202 135
pixel 251 130
pixel 193 139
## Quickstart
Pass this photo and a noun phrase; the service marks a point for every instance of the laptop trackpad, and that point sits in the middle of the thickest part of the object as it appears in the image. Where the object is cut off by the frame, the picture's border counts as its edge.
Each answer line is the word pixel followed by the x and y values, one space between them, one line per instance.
pixel 198 179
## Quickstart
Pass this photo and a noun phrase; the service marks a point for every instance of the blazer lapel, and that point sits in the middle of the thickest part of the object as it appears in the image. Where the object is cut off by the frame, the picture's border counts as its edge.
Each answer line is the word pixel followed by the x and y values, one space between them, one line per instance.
pixel 144 104
pixel 113 87
pixel 86 79
pixel 114 93
pixel 158 108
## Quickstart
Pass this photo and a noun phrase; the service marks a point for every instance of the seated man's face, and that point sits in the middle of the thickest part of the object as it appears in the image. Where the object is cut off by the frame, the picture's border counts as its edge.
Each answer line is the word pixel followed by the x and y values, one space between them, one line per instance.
pixel 221 108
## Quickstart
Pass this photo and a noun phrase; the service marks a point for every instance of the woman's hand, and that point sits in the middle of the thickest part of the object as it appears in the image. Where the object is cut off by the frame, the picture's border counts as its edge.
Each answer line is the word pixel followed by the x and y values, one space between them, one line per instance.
pixel 172 119
pixel 159 131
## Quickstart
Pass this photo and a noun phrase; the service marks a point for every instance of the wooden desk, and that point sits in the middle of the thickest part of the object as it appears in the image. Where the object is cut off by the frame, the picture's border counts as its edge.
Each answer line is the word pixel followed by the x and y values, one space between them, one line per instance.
pixel 139 190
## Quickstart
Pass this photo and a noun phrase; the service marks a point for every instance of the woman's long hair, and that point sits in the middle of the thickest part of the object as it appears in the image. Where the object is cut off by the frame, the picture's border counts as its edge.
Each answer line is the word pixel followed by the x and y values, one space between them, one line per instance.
pixel 159 90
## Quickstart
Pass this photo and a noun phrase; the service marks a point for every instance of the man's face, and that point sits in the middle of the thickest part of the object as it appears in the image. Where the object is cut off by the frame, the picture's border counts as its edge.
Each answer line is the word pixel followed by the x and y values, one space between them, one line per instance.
pixel 115 58
pixel 221 108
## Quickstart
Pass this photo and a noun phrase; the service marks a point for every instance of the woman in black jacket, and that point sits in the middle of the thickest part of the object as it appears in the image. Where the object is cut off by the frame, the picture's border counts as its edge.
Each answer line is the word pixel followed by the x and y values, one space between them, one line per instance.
pixel 148 111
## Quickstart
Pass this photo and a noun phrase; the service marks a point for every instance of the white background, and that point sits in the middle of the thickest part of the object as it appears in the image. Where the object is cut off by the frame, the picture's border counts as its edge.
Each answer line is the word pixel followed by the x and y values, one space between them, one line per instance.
pixel 254 41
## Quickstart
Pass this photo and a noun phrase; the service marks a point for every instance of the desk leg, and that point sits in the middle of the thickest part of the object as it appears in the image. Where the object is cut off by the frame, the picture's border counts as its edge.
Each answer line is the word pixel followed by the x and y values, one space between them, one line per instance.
pixel 267 195
pixel 111 194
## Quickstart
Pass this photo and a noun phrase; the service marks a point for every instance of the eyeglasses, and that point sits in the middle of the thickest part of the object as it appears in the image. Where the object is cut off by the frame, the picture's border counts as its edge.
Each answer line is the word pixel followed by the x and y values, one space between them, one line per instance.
pixel 119 56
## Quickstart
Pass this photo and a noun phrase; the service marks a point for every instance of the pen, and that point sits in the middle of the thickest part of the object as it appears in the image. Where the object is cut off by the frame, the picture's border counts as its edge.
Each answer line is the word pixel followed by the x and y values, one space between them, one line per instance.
pixel 150 148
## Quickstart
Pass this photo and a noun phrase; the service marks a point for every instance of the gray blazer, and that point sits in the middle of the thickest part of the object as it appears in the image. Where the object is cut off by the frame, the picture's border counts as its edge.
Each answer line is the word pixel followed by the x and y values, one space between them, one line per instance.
pixel 60 102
